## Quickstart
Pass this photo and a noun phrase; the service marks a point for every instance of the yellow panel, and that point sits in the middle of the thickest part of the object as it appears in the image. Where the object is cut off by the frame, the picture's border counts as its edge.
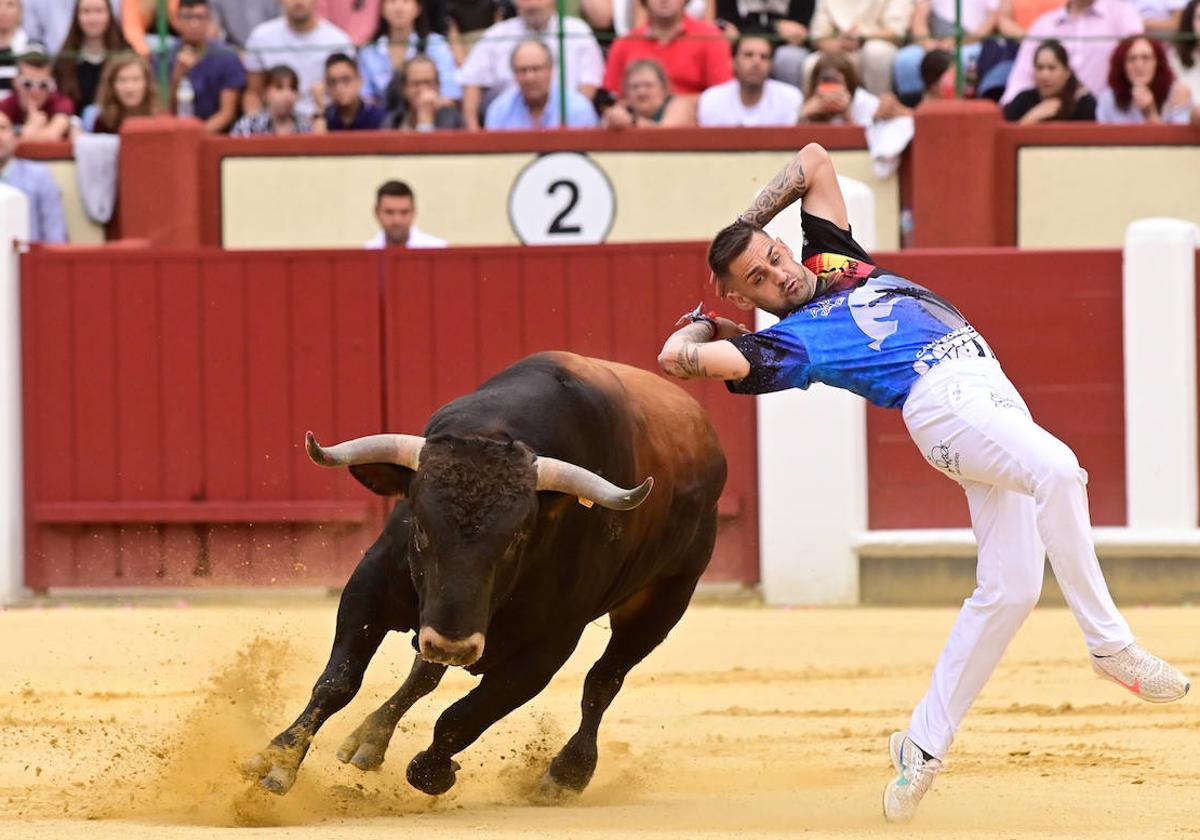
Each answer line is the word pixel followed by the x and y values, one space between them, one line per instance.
pixel 327 202
pixel 1085 197
pixel 80 229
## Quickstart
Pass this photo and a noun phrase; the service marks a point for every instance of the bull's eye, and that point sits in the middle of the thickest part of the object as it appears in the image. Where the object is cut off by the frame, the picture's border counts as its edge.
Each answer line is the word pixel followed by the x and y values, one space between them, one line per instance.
pixel 420 538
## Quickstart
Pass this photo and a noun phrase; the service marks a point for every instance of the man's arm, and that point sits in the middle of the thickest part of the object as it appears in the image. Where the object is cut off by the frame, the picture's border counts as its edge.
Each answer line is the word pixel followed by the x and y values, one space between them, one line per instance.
pixel 696 352
pixel 226 112
pixel 809 176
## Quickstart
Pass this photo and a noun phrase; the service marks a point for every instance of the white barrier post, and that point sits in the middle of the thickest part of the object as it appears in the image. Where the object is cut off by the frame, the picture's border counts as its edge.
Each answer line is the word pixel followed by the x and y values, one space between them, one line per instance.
pixel 14 228
pixel 812 463
pixel 1159 293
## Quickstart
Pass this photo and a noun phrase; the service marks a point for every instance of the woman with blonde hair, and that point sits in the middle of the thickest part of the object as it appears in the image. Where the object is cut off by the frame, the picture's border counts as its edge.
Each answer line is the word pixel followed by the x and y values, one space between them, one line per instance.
pixel 127 89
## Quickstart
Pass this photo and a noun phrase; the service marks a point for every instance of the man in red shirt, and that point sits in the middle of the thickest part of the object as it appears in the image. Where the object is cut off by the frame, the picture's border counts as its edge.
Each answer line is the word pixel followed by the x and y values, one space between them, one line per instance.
pixel 694 53
pixel 36 107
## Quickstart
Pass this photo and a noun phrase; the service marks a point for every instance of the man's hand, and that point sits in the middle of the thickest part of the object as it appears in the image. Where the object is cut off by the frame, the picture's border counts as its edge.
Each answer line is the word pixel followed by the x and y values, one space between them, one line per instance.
pixel 617 117
pixel 697 351
pixel 794 32
pixel 1047 109
pixel 426 106
pixel 188 58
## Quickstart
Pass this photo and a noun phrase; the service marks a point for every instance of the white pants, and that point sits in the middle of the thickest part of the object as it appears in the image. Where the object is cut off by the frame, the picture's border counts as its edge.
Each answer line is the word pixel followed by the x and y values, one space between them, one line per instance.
pixel 1028 499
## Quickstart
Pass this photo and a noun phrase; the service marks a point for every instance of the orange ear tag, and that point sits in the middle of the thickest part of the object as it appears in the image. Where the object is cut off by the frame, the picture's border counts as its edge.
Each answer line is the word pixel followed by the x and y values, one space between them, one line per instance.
pixel 587 503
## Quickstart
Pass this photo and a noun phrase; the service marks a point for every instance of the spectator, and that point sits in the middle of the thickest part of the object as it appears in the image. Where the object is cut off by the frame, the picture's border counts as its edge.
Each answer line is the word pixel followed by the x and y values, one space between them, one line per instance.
pixel 357 18
pixel 938 76
pixel 140 18
pixel 534 102
pixel 279 114
pixel 489 64
pixel 13 41
pixel 783 20
pixel 46 223
pixel 691 51
pixel 396 212
pixel 1185 57
pixel 47 21
pixel 750 98
pixel 38 110
pixel 213 71
pixel 419 108
pixel 302 40
pixel 1089 29
pixel 1160 17
pixel 466 22
pixel 933 29
pixel 346 110
pixel 868 32
pixel 1056 94
pixel 92 37
pixel 127 89
pixel 835 95
pixel 236 19
pixel 403 33
pixel 647 100
pixel 1141 86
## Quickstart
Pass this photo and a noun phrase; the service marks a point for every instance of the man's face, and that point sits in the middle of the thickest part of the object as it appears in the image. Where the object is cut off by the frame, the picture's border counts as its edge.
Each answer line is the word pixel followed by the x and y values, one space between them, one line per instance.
pixel 535 13
pixel 10 15
pixel 395 214
pixel 752 62
pixel 531 68
pixel 8 139
pixel 299 12
pixel 766 276
pixel 343 83
pixel 34 86
pixel 193 24
pixel 665 9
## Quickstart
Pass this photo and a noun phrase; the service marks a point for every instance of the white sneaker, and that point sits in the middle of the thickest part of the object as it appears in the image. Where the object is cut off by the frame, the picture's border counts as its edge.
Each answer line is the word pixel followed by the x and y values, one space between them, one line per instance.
pixel 914 777
pixel 1143 673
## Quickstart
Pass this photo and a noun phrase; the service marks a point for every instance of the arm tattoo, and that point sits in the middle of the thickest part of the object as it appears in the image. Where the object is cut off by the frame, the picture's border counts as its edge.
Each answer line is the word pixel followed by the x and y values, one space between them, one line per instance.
pixel 687 363
pixel 787 187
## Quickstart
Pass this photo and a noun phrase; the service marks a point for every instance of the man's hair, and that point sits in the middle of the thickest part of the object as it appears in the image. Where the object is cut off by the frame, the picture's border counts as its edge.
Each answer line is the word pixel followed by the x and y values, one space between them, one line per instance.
pixel 751 36
pixel 394 189
pixel 542 44
pixel 726 246
pixel 282 73
pixel 187 4
pixel 340 58
pixel 647 64
pixel 35 54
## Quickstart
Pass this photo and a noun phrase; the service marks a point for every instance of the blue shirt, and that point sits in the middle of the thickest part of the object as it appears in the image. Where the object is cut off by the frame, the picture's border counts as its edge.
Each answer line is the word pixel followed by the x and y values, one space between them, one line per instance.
pixel 872 333
pixel 369 117
pixel 375 65
pixel 508 110
pixel 46 222
pixel 217 70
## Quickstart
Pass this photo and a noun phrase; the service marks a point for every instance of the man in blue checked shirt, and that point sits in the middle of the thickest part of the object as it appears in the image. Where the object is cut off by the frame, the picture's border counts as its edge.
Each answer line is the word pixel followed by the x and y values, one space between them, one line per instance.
pixel 46 223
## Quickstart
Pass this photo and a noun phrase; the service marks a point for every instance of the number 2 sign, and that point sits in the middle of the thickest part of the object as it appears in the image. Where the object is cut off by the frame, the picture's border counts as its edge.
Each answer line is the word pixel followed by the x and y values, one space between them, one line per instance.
pixel 562 198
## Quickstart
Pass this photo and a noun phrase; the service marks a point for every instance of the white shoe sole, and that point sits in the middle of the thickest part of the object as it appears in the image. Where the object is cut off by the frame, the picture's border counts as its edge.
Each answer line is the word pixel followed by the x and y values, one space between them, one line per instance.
pixel 1104 675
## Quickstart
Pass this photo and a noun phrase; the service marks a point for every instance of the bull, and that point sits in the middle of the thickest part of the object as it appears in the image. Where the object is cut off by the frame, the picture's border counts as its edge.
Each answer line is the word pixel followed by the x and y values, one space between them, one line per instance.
pixel 493 561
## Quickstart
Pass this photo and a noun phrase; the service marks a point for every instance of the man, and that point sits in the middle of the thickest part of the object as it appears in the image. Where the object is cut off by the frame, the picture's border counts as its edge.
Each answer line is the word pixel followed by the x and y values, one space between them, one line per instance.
pixel 535 102
pixel 786 21
pixel 212 69
pixel 851 325
pixel 300 39
pixel 1089 29
pixel 46 222
pixel 489 64
pixel 13 42
pixel 396 210
pixel 869 32
pixel 750 98
pixel 346 110
pixel 693 52
pixel 237 18
pixel 37 109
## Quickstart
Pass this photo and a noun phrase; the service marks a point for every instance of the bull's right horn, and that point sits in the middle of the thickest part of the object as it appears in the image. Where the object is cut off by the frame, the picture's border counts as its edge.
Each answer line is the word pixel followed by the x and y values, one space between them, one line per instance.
pixel 565 477
pixel 402 450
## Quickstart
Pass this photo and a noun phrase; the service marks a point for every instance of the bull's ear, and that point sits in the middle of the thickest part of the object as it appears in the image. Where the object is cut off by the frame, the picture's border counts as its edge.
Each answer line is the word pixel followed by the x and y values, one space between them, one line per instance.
pixel 383 479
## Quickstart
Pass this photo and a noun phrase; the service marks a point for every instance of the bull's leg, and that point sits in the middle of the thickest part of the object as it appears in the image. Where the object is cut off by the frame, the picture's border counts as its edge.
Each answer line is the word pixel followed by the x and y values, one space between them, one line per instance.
pixel 365 747
pixel 361 626
pixel 638 626
pixel 499 692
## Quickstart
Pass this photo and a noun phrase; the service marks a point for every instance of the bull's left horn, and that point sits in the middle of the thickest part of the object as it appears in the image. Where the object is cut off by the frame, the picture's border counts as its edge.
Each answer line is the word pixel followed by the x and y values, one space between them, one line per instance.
pixel 565 477
pixel 402 450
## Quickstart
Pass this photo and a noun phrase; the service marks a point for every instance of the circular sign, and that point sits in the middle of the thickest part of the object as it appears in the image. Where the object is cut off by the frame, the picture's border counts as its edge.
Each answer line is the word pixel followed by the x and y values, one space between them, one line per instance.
pixel 562 198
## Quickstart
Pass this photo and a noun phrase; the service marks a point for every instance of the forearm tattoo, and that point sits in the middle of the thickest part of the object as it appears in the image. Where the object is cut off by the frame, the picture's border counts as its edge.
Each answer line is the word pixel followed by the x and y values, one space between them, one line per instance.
pixel 787 187
pixel 687 363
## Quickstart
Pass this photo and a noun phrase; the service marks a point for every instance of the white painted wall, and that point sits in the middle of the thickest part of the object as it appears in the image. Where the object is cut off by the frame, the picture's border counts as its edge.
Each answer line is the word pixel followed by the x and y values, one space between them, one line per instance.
pixel 14 228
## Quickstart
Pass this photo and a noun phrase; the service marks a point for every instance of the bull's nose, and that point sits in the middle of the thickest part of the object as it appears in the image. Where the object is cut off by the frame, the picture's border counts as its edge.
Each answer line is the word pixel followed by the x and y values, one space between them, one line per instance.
pixel 437 648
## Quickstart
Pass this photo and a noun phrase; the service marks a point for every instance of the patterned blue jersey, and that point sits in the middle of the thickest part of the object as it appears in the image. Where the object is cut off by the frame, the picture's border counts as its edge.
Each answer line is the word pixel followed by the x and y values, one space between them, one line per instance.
pixel 872 333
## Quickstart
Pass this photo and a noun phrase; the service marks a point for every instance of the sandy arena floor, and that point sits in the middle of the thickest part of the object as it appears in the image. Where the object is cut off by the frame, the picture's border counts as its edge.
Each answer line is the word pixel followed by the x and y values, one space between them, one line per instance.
pixel 128 722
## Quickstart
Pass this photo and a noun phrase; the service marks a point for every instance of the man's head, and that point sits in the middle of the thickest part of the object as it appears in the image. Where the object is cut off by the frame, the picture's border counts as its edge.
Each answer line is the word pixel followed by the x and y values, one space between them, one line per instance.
pixel 395 210
pixel 532 67
pixel 753 271
pixel 281 90
pixel 752 61
pixel 10 15
pixel 8 139
pixel 535 13
pixel 299 13
pixel 420 75
pixel 193 22
pixel 342 82
pixel 34 82
pixel 665 12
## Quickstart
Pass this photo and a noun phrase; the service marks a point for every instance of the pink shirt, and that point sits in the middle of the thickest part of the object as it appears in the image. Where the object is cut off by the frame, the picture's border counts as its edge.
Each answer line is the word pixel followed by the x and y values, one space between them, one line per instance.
pixel 359 23
pixel 1106 20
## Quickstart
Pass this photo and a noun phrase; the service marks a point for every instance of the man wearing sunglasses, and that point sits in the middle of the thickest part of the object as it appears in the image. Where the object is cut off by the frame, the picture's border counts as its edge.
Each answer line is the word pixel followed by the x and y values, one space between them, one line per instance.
pixel 36 108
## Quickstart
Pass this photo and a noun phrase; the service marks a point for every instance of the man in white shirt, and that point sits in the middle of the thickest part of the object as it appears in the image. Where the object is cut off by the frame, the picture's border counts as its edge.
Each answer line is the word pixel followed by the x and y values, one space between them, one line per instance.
pixel 489 67
pixel 750 98
pixel 302 40
pixel 396 210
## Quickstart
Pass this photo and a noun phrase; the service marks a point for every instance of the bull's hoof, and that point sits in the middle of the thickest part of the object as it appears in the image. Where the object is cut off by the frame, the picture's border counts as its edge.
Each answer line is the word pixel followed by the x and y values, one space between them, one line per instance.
pixel 365 747
pixel 573 767
pixel 432 774
pixel 274 769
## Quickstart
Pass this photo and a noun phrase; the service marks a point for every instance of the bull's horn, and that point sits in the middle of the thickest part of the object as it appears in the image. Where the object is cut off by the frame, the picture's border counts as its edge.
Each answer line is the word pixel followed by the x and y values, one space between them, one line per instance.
pixel 564 477
pixel 402 450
